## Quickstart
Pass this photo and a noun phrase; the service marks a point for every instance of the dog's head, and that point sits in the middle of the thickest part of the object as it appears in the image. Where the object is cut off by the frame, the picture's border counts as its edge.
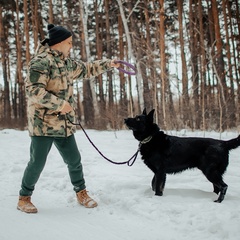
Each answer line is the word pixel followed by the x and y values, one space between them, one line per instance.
pixel 142 125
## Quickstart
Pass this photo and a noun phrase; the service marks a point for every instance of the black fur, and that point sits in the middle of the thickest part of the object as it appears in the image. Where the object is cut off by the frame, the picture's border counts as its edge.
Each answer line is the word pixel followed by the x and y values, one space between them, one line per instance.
pixel 165 154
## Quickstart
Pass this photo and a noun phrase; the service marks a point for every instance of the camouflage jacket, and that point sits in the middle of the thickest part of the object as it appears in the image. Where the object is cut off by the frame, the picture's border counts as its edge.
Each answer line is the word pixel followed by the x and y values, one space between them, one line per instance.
pixel 49 83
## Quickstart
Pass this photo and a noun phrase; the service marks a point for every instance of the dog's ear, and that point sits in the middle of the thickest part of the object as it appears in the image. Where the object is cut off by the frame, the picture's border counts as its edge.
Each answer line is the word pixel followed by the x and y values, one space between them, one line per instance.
pixel 150 115
pixel 144 111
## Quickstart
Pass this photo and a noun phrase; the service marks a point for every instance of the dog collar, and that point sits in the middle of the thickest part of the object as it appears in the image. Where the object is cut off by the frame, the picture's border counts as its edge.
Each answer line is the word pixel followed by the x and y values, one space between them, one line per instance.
pixel 146 140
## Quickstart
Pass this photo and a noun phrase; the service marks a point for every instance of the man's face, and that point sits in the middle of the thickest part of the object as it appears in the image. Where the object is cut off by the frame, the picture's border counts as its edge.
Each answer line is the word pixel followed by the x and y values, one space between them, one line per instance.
pixel 65 46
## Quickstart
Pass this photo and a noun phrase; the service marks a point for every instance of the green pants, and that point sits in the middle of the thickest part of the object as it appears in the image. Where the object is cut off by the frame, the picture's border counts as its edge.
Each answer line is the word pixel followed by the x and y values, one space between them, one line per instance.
pixel 39 149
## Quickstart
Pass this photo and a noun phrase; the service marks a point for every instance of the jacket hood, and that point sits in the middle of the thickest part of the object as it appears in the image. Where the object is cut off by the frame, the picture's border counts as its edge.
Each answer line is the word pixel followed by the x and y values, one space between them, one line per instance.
pixel 43 47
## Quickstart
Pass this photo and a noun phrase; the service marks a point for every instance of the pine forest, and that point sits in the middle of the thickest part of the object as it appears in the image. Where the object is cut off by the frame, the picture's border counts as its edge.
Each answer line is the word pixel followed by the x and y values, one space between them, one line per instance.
pixel 186 52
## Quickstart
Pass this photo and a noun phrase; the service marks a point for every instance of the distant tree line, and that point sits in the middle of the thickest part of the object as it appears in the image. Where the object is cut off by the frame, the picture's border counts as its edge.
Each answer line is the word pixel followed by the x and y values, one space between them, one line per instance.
pixel 186 53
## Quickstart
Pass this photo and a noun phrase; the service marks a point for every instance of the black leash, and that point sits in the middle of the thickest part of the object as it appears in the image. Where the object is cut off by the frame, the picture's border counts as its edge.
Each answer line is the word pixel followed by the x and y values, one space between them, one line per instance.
pixel 130 162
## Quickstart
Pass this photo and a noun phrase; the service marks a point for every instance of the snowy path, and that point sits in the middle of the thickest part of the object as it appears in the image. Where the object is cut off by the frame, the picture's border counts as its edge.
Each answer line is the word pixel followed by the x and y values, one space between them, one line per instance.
pixel 128 209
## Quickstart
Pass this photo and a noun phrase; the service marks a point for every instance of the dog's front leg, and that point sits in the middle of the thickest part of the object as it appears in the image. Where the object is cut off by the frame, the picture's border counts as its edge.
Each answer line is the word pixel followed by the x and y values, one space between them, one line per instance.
pixel 154 183
pixel 160 179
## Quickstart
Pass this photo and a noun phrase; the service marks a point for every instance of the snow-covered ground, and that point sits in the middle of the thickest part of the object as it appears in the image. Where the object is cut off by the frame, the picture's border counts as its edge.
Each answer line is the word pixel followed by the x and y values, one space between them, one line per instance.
pixel 128 209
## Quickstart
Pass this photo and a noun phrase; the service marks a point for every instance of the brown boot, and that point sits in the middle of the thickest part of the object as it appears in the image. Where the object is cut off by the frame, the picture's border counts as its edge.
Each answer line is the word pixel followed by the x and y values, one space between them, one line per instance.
pixel 85 200
pixel 25 205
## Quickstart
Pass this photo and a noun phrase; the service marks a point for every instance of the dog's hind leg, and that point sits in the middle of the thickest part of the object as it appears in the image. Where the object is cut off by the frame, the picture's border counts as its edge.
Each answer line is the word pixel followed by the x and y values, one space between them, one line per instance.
pixel 223 189
pixel 154 183
pixel 216 189
pixel 219 185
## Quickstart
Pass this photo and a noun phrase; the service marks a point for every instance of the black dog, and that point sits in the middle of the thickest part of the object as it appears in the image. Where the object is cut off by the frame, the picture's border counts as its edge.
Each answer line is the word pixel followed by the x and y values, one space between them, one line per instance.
pixel 165 154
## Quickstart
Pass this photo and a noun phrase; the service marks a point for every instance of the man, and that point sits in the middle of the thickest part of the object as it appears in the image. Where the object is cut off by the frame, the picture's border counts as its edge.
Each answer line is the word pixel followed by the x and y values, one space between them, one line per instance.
pixel 49 88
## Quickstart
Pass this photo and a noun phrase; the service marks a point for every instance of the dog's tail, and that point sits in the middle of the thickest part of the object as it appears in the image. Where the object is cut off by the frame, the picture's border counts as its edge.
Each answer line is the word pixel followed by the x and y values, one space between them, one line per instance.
pixel 233 143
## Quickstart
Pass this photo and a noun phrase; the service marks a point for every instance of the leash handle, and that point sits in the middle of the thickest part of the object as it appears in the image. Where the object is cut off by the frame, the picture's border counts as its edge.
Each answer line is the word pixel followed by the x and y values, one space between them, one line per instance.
pixel 129 65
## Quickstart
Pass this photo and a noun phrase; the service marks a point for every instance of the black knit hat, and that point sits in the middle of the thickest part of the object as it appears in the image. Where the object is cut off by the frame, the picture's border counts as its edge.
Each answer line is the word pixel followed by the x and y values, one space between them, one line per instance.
pixel 57 34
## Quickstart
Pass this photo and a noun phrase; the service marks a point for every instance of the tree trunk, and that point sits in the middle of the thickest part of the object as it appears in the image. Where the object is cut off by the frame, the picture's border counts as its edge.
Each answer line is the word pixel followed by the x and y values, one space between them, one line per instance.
pixel 236 53
pixel 202 67
pixel 111 108
pixel 99 120
pixel 231 97
pixel 195 59
pixel 185 96
pixel 163 62
pixel 50 11
pixel 6 116
pixel 220 68
pixel 21 106
pixel 150 61
pixel 123 99
pixel 33 4
pixel 26 31
pixel 89 96
pixel 131 55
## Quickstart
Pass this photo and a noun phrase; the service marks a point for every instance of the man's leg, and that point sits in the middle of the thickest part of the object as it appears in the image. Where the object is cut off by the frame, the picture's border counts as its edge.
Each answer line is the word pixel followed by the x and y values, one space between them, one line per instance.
pixel 68 149
pixel 39 149
pixel 71 156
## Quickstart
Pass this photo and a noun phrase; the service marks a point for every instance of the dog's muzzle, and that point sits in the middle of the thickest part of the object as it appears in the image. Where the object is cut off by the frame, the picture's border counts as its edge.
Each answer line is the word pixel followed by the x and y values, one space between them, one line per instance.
pixel 126 121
